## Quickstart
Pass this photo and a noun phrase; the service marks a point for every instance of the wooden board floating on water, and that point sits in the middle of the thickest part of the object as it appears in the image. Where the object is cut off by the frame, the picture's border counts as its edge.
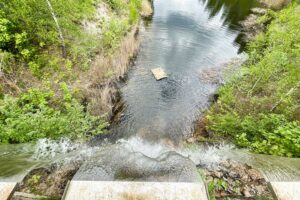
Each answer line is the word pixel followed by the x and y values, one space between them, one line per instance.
pixel 286 190
pixel 159 73
pixel 95 190
pixel 6 188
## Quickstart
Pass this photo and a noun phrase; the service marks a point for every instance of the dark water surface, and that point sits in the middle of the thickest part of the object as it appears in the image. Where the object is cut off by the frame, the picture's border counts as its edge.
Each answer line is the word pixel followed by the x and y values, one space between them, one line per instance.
pixel 185 38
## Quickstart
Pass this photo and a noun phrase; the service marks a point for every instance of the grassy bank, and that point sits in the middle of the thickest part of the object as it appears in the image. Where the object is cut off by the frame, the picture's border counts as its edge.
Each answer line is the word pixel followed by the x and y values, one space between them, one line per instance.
pixel 260 108
pixel 47 50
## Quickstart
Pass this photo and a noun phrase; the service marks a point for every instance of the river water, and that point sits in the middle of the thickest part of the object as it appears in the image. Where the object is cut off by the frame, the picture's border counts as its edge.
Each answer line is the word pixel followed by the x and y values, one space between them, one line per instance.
pixel 187 38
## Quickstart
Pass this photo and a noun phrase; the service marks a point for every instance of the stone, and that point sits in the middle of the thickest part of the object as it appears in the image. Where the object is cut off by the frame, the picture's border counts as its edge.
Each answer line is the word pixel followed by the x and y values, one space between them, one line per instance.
pixel 217 174
pixel 247 192
pixel 259 11
pixel 260 189
pixel 191 140
pixel 245 178
pixel 275 4
pixel 233 174
pixel 146 9
pixel 255 175
pixel 159 73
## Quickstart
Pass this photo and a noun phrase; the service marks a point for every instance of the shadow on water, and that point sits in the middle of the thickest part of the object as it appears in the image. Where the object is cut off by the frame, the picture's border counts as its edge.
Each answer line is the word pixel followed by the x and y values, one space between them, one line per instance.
pixel 235 12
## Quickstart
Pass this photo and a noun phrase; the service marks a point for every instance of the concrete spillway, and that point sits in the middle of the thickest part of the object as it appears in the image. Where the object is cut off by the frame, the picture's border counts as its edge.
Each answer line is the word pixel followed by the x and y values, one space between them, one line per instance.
pixel 6 189
pixel 92 190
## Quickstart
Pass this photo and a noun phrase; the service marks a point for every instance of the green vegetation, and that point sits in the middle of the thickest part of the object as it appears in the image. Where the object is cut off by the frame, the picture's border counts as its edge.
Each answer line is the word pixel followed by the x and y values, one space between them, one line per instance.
pixel 31 116
pixel 260 108
pixel 41 59
pixel 29 33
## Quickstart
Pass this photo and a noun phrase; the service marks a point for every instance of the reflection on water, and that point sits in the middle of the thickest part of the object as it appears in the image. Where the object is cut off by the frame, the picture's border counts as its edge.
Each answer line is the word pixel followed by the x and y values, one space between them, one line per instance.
pixel 184 38
pixel 235 11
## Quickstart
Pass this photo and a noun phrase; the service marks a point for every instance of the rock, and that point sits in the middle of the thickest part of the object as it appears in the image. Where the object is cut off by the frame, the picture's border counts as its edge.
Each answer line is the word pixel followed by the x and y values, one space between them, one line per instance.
pixel 233 175
pixel 159 73
pixel 247 192
pixel 255 175
pixel 259 11
pixel 245 178
pixel 146 10
pixel 217 174
pixel 191 140
pixel 260 189
pixel 275 4
pixel 242 181
pixel 221 194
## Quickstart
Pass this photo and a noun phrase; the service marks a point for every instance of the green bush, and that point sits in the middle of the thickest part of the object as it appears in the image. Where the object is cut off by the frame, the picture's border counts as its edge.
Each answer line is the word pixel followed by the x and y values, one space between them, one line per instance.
pixel 28 30
pixel 134 8
pixel 117 5
pixel 31 117
pixel 259 108
pixel 114 30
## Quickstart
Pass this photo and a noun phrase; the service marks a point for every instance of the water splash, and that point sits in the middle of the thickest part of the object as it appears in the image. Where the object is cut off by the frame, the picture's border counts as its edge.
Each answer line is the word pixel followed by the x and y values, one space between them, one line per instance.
pixel 47 148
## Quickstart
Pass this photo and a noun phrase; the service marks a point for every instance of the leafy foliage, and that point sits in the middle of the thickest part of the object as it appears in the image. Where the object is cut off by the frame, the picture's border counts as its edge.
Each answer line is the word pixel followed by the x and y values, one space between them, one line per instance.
pixel 28 31
pixel 259 108
pixel 114 30
pixel 31 117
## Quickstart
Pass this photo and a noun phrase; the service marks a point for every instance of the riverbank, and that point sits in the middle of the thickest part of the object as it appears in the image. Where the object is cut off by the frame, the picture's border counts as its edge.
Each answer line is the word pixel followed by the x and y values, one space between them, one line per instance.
pixel 50 94
pixel 258 107
pixel 72 95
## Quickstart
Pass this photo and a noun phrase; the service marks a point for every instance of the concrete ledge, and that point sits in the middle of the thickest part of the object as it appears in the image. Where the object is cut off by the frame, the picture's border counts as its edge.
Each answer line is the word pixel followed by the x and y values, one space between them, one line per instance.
pixel 6 189
pixel 286 190
pixel 92 190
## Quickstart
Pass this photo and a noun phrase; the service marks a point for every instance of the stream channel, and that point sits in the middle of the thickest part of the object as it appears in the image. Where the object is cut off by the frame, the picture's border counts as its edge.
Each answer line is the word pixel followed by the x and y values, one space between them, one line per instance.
pixel 187 38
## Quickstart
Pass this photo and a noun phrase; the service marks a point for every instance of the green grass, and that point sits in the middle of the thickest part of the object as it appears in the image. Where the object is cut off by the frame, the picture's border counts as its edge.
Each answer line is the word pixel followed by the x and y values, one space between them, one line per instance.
pixel 260 108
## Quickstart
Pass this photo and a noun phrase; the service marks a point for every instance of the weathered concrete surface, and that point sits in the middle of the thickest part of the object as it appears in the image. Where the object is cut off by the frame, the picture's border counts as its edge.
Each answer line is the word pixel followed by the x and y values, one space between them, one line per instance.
pixel 89 190
pixel 6 188
pixel 286 190
pixel 159 73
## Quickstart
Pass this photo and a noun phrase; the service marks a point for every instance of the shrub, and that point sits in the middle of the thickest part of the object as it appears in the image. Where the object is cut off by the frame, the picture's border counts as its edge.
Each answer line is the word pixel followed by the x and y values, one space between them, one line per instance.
pixel 259 108
pixel 31 117
pixel 114 30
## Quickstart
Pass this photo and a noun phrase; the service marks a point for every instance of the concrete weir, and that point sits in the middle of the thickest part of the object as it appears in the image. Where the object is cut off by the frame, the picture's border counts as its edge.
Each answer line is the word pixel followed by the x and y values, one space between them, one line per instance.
pixel 6 189
pixel 110 190
pixel 286 190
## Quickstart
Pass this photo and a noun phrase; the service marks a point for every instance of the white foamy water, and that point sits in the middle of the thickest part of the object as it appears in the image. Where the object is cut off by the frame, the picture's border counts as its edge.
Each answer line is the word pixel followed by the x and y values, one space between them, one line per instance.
pixel 200 155
pixel 47 148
